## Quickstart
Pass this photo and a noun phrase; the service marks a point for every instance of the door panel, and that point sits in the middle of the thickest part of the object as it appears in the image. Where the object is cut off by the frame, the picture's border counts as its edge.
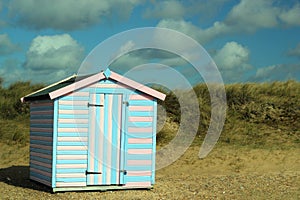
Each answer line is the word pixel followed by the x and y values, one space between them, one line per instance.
pixel 104 150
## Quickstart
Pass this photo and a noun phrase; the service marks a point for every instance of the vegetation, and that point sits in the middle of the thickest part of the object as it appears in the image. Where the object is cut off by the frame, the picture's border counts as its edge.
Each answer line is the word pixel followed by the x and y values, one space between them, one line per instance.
pixel 258 114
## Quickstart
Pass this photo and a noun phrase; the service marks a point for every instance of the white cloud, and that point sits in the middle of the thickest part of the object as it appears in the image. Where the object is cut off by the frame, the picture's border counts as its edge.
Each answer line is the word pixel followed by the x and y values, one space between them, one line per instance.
pixel 295 51
pixel 57 56
pixel 6 45
pixel 67 14
pixel 281 72
pixel 233 62
pixel 291 17
pixel 232 56
pixel 250 15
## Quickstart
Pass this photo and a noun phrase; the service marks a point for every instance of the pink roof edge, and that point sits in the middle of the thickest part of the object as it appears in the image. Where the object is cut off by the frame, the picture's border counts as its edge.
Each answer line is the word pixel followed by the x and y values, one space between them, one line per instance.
pixel 102 75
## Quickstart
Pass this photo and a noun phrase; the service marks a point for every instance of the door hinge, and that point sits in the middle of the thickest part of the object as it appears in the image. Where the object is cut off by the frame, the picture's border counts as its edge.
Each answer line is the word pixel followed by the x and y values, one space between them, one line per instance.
pixel 96 105
pixel 86 172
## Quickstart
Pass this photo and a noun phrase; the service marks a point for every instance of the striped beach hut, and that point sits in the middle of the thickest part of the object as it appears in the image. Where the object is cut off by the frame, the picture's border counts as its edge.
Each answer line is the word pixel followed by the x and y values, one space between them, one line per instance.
pixel 93 133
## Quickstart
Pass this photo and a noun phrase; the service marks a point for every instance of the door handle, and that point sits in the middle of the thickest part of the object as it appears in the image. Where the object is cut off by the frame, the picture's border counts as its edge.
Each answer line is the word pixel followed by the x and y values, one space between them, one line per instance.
pixel 124 171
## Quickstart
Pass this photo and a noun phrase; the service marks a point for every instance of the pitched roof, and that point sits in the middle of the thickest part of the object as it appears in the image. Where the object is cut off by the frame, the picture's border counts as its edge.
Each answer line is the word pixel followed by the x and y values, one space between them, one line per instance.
pixel 74 82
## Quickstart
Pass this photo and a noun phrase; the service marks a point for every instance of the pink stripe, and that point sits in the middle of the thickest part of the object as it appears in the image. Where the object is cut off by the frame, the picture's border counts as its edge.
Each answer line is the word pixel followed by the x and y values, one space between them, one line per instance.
pixel 72 139
pixel 119 134
pixel 45 112
pixel 140 97
pixel 41 163
pixel 138 184
pixel 73 121
pixel 49 139
pixel 41 172
pixel 139 162
pixel 103 85
pixel 78 94
pixel 101 138
pixel 139 173
pixel 40 180
pixel 73 103
pixel 73 130
pixel 140 119
pixel 74 175
pixel 140 140
pixel 70 184
pixel 41 155
pixel 137 86
pixel 141 108
pixel 76 85
pixel 45 130
pixel 71 148
pixel 75 112
pixel 71 166
pixel 71 157
pixel 140 151
pixel 38 146
pixel 139 130
pixel 41 121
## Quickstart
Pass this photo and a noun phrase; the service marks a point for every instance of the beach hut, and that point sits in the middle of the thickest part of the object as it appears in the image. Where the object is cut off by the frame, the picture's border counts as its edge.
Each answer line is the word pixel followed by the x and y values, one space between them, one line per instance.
pixel 93 133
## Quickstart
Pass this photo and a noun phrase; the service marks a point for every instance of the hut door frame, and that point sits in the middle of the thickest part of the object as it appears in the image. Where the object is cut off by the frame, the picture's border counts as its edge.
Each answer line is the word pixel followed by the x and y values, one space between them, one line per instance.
pixel 105 149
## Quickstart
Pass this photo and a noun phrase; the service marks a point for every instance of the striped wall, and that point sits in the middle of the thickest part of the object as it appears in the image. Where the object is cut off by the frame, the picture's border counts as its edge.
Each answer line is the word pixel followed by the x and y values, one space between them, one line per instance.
pixel 72 139
pixel 140 137
pixel 41 132
pixel 75 145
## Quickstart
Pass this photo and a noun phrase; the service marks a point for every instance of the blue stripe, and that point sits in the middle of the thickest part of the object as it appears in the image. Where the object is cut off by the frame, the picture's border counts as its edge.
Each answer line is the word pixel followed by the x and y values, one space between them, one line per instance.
pixel 139 146
pixel 139 135
pixel 140 124
pixel 115 127
pixel 75 170
pixel 72 116
pixel 69 134
pixel 140 103
pixel 41 108
pixel 96 138
pixel 41 117
pixel 41 125
pixel 73 107
pixel 43 177
pixel 68 180
pixel 112 90
pixel 71 143
pixel 73 126
pixel 49 152
pixel 104 148
pixel 75 98
pixel 154 141
pixel 140 113
pixel 55 131
pixel 71 161
pixel 138 178
pixel 61 152
pixel 43 160
pixel 41 142
pixel 123 138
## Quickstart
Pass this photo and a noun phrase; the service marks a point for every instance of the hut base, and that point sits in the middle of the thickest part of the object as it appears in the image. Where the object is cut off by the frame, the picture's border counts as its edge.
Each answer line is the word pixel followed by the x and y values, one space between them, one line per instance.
pixel 100 188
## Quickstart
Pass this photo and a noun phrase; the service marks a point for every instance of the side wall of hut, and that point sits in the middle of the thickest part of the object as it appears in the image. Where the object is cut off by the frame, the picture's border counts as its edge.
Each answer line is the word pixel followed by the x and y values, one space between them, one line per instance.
pixel 41 135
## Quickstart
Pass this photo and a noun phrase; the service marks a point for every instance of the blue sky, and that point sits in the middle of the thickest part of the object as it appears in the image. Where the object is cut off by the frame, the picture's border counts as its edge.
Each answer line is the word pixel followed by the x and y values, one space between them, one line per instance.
pixel 249 40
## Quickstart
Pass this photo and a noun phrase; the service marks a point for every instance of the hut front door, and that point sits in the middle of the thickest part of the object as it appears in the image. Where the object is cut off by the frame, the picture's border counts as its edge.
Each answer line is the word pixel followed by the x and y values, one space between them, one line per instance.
pixel 104 146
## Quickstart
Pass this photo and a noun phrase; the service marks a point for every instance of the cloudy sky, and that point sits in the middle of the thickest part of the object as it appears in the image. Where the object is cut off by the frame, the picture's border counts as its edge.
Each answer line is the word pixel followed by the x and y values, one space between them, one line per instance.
pixel 249 40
